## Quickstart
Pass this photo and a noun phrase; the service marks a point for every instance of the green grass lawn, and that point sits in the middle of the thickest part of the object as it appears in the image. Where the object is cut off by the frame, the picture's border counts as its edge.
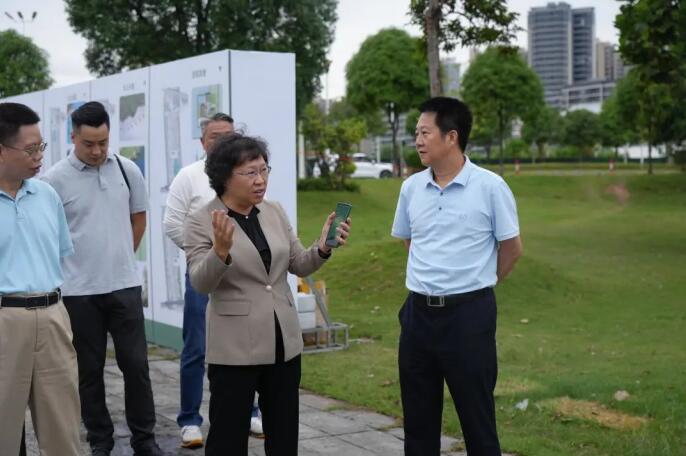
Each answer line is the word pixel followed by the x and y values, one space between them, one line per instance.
pixel 601 287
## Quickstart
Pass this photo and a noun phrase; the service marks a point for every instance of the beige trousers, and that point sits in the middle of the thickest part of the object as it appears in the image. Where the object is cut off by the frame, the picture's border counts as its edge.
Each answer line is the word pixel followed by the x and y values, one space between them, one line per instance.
pixel 38 367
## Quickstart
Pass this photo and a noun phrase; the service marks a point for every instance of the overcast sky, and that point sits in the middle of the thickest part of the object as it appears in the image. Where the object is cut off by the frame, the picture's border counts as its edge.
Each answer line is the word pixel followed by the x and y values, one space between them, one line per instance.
pixel 357 19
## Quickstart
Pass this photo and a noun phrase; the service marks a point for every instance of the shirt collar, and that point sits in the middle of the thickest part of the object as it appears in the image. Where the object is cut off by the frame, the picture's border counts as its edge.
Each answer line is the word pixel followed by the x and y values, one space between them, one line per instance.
pixel 462 177
pixel 27 186
pixel 79 165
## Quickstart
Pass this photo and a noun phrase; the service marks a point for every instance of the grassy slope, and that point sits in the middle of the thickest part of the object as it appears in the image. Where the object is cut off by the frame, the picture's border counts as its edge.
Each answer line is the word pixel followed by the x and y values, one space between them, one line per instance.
pixel 602 286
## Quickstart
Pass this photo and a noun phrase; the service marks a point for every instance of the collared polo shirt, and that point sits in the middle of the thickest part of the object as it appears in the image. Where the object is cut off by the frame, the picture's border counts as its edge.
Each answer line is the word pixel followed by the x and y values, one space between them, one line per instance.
pixel 33 237
pixel 98 206
pixel 454 231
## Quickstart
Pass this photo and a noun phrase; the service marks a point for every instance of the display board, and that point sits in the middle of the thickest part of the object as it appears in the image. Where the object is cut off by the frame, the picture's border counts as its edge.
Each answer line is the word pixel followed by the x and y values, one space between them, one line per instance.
pixel 155 117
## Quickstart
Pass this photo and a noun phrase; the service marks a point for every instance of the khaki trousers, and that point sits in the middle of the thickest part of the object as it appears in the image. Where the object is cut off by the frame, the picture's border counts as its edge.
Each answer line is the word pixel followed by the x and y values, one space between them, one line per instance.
pixel 38 367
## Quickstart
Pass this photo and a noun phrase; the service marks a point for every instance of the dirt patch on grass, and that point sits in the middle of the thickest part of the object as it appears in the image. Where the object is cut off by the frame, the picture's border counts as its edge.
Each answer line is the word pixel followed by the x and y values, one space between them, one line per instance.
pixel 620 192
pixel 593 411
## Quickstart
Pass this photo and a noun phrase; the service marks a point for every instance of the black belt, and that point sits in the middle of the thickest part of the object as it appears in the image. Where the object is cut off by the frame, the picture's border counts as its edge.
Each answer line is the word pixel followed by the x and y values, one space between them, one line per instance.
pixel 30 302
pixel 448 300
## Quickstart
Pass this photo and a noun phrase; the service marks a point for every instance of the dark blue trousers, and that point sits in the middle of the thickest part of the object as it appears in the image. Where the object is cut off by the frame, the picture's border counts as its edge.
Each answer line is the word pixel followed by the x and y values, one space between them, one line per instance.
pixel 455 344
pixel 192 356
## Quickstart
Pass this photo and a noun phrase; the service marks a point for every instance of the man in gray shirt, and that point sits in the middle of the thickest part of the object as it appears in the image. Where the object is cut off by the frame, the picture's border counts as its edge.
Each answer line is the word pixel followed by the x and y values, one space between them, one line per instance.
pixel 105 202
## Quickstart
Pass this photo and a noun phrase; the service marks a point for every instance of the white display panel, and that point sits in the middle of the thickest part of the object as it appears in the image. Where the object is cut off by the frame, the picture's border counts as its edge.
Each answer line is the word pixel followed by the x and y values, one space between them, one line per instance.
pixel 58 104
pixel 126 97
pixel 182 94
pixel 263 103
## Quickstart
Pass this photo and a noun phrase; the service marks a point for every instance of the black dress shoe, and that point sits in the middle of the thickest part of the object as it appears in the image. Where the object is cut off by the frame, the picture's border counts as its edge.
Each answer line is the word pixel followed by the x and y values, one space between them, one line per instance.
pixel 154 450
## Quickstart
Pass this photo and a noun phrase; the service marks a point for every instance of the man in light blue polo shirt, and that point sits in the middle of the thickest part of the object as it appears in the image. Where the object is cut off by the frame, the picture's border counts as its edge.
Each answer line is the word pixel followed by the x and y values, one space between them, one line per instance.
pixel 37 360
pixel 459 222
pixel 105 203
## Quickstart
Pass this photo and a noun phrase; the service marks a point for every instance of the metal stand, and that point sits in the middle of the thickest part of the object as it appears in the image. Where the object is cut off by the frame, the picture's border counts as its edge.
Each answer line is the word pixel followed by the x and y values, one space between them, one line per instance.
pixel 331 336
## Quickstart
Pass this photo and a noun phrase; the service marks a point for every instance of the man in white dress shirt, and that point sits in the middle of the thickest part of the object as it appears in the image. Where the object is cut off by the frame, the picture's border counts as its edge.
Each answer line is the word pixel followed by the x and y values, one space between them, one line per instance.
pixel 189 191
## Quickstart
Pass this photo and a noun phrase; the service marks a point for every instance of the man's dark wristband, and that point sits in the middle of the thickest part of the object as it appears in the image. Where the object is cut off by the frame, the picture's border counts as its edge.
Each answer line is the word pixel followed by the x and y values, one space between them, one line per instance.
pixel 323 255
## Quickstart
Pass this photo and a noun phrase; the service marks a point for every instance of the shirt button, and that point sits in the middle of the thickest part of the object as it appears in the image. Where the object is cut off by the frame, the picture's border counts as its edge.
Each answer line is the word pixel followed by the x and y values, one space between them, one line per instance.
pixel 440 208
pixel 441 193
pixel 268 288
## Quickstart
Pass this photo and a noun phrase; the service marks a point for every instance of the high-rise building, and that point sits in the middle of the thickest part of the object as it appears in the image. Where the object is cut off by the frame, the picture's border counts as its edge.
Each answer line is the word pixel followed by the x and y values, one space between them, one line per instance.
pixel 583 44
pixel 604 61
pixel 450 76
pixel 561 47
pixel 550 47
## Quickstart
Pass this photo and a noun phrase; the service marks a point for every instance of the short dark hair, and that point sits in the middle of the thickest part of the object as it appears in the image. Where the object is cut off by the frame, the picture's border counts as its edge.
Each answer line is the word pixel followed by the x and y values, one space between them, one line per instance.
pixel 218 117
pixel 229 151
pixel 451 114
pixel 13 116
pixel 92 114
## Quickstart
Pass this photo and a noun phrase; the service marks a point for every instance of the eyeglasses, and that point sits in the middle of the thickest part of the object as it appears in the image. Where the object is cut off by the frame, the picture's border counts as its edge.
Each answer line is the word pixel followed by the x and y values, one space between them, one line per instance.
pixel 31 150
pixel 264 172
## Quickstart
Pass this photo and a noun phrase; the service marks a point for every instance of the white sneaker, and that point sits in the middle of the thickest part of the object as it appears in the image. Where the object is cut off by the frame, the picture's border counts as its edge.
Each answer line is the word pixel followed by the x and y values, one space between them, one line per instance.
pixel 256 427
pixel 191 437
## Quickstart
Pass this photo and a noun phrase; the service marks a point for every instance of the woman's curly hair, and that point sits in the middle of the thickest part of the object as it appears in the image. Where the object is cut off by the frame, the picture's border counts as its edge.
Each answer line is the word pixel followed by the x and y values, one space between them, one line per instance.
pixel 228 152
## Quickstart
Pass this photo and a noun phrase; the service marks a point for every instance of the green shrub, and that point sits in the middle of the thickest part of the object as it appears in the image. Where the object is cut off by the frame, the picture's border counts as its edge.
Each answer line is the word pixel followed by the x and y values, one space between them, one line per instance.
pixel 320 184
pixel 412 159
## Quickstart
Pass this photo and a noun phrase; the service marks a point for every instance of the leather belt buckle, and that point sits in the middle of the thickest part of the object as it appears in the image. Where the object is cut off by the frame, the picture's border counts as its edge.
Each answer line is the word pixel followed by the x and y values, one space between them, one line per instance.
pixel 441 301
pixel 39 305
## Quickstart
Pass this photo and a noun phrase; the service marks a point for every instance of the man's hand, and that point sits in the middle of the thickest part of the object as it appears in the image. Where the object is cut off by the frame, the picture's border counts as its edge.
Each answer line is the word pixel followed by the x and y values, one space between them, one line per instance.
pixel 223 229
pixel 508 253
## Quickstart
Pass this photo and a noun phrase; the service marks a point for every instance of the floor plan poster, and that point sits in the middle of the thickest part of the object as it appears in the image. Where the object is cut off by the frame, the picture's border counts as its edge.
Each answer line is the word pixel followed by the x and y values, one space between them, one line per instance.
pixel 207 102
pixel 182 95
pixel 58 104
pixel 125 97
pixel 132 122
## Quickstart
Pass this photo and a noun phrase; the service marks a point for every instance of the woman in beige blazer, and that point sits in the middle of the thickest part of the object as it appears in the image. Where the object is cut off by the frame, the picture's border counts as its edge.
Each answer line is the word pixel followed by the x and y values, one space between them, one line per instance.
pixel 239 250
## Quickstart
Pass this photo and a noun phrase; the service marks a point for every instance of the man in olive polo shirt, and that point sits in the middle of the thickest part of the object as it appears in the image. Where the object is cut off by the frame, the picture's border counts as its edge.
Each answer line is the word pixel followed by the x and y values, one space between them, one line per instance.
pixel 37 360
pixel 105 202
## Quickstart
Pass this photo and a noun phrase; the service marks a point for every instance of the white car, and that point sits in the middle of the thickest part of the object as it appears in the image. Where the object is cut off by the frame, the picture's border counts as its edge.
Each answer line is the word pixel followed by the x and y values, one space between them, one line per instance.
pixel 367 167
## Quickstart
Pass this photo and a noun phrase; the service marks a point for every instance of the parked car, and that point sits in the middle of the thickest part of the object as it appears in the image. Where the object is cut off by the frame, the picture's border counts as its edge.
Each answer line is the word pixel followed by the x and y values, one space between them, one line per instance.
pixel 368 167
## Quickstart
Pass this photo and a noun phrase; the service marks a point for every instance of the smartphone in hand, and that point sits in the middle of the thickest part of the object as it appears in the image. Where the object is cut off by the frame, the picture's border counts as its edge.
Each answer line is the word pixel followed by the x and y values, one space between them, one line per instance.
pixel 342 214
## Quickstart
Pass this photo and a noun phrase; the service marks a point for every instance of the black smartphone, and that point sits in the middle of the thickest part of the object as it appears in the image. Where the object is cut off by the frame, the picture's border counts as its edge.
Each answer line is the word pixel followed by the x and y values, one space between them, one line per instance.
pixel 342 214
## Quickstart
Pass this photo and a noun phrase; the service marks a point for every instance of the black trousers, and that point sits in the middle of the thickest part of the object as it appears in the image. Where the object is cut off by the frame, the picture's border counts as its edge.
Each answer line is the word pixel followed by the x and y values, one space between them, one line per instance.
pixel 455 344
pixel 232 389
pixel 22 448
pixel 121 314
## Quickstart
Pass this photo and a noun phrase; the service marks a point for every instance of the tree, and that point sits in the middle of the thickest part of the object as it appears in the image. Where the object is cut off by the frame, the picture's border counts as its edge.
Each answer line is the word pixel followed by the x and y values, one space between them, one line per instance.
pixel 337 133
pixel 652 38
pixel 582 131
pixel 541 128
pixel 314 132
pixel 24 66
pixel 388 73
pixel 127 34
pixel 615 131
pixel 453 23
pixel 342 109
pixel 500 85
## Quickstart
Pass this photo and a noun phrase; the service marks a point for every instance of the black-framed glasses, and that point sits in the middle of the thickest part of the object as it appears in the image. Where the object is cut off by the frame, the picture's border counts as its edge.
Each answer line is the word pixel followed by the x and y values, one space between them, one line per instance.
pixel 264 172
pixel 30 150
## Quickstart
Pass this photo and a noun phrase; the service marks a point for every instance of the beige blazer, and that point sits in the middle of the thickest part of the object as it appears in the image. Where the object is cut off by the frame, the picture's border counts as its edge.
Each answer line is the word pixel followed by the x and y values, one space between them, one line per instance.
pixel 243 298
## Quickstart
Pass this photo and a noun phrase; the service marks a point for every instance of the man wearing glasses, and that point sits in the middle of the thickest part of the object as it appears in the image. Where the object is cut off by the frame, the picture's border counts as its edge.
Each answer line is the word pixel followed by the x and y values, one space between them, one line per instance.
pixel 105 203
pixel 37 360
pixel 190 191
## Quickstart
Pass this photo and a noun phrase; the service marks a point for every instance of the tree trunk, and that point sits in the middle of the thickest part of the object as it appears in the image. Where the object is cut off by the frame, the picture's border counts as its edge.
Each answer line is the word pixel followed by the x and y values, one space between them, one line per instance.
pixel 432 24
pixel 501 121
pixel 650 148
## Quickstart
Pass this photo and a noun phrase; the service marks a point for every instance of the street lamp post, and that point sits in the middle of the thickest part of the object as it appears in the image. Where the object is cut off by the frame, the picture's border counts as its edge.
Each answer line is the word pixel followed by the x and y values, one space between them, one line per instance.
pixel 21 19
